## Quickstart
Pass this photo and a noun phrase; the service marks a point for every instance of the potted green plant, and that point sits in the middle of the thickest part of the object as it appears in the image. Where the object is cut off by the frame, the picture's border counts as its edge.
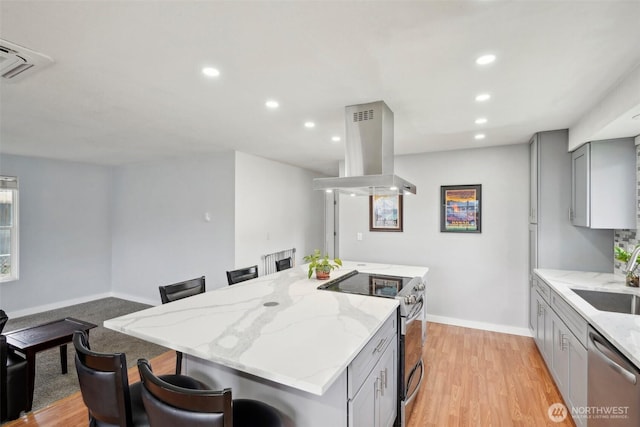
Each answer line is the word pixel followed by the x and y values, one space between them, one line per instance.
pixel 632 278
pixel 321 264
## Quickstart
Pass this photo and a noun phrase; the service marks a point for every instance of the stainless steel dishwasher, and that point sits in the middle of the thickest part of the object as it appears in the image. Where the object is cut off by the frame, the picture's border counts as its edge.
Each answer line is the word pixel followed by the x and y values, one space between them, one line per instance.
pixel 614 385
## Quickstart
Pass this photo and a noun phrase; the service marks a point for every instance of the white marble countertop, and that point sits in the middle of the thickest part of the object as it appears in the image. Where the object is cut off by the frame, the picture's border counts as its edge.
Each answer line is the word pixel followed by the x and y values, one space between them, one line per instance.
pixel 622 330
pixel 305 340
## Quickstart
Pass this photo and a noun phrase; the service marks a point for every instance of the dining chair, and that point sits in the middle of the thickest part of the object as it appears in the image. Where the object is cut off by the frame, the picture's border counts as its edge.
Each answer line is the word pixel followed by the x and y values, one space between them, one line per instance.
pixel 105 387
pixel 283 264
pixel 176 291
pixel 242 274
pixel 168 405
pixel 14 397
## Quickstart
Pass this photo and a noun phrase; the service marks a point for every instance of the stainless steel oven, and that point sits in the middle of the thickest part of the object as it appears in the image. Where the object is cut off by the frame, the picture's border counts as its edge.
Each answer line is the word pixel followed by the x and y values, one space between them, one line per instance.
pixel 410 292
pixel 412 339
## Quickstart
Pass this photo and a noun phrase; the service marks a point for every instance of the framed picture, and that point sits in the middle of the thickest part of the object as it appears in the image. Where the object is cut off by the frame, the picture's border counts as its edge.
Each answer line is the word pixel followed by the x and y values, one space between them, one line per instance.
pixel 460 208
pixel 385 213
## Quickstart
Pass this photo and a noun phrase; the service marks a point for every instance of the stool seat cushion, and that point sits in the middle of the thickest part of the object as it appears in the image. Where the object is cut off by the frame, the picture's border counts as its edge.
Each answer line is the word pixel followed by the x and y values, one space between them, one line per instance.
pixel 252 413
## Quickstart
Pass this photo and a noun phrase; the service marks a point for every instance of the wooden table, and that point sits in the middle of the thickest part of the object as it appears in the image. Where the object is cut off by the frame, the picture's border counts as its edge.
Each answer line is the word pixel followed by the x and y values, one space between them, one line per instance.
pixel 31 340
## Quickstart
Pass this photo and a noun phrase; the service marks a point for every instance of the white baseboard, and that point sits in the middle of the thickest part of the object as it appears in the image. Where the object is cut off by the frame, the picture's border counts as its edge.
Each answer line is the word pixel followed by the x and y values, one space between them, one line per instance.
pixel 134 298
pixel 80 300
pixel 55 305
pixel 525 332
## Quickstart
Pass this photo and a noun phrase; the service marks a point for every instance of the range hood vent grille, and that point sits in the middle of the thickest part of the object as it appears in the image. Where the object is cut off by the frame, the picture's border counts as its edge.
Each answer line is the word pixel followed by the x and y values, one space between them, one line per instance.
pixel 368 167
pixel 359 116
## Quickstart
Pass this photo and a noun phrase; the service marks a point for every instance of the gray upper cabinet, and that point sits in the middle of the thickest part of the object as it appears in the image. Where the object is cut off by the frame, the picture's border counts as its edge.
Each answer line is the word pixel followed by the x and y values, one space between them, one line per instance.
pixel 603 184
pixel 580 186
pixel 553 241
pixel 533 181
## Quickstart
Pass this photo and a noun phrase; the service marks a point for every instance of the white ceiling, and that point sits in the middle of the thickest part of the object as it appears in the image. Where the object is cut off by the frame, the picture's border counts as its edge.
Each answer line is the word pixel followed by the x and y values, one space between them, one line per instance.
pixel 126 84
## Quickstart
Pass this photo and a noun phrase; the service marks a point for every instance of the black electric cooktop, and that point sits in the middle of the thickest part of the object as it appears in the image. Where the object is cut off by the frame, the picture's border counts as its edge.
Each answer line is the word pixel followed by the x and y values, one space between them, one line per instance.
pixel 367 284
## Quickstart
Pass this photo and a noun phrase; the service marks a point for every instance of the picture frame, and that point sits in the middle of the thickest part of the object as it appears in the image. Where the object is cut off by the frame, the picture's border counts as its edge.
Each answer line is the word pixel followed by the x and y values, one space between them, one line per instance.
pixel 385 213
pixel 461 208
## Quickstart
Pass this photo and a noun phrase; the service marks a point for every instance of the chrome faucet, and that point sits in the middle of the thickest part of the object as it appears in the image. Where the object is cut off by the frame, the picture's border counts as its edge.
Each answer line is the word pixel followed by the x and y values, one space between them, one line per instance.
pixel 633 261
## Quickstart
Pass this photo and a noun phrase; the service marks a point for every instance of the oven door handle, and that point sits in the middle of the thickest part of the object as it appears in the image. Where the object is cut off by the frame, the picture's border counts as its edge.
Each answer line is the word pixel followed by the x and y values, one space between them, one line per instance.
pixel 416 311
pixel 409 381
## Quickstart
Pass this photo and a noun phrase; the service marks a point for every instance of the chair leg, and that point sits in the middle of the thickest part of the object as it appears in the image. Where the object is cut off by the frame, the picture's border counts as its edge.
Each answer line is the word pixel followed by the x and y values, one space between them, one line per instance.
pixel 178 362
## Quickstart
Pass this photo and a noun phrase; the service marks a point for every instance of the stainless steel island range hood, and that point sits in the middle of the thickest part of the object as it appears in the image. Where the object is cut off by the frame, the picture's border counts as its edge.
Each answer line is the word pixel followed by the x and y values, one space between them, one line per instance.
pixel 368 167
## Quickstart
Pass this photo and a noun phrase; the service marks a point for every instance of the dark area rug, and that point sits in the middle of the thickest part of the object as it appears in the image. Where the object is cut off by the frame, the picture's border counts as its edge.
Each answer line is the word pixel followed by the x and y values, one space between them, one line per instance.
pixel 50 384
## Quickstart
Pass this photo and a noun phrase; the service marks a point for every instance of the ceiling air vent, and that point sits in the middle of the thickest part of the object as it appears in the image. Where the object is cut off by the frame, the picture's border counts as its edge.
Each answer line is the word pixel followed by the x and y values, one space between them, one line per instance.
pixel 16 60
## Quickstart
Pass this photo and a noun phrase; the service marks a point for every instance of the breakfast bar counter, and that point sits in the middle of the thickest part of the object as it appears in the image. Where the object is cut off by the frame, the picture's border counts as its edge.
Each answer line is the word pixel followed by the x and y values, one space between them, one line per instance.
pixel 275 332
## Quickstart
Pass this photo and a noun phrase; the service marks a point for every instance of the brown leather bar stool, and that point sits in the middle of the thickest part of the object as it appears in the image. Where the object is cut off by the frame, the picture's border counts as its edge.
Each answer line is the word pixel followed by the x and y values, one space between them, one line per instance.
pixel 176 291
pixel 105 386
pixel 242 274
pixel 283 264
pixel 172 406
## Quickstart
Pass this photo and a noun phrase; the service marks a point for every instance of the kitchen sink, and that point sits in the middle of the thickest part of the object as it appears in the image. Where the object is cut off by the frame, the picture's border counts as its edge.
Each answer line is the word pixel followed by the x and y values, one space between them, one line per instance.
pixel 611 301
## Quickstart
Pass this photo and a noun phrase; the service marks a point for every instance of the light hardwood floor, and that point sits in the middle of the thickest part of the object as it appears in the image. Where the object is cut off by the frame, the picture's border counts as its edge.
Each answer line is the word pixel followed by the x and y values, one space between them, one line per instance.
pixel 473 378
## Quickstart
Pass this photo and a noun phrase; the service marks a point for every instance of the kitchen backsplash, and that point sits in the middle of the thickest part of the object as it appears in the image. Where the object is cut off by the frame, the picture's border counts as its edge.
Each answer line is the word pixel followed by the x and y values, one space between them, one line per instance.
pixel 627 239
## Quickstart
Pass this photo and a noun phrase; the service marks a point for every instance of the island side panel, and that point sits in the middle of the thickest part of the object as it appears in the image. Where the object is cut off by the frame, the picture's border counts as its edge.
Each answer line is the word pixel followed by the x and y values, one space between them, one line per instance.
pixel 303 409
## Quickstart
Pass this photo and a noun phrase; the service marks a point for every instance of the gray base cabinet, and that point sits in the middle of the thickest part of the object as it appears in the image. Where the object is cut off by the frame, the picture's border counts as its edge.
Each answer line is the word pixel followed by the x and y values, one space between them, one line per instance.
pixel 560 334
pixel 373 382
pixel 577 393
pixel 541 319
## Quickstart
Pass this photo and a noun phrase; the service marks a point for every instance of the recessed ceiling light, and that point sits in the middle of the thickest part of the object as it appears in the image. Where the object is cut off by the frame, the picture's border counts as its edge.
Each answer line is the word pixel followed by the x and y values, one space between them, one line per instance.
pixel 335 138
pixel 481 120
pixel 210 72
pixel 272 104
pixel 479 136
pixel 329 190
pixel 309 125
pixel 485 59
pixel 353 194
pixel 483 97
pixel 394 188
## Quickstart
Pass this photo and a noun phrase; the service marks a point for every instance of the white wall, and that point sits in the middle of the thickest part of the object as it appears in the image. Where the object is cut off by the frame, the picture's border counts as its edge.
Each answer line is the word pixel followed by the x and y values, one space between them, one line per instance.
pixel 610 117
pixel 276 209
pixel 474 279
pixel 160 235
pixel 65 233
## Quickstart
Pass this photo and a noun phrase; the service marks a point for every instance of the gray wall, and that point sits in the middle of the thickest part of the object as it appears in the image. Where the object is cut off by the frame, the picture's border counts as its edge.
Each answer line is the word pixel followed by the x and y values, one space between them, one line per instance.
pixel 65 232
pixel 90 231
pixel 276 209
pixel 474 279
pixel 160 234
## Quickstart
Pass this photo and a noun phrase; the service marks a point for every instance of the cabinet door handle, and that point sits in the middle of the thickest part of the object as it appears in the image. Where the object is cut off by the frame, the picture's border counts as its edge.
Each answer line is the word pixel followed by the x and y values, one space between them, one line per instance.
pixel 380 346
pixel 562 341
pixel 384 375
pixel 382 380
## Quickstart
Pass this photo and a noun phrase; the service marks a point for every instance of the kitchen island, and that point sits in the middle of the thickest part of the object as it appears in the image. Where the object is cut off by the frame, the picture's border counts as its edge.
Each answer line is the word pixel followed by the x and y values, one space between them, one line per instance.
pixel 276 338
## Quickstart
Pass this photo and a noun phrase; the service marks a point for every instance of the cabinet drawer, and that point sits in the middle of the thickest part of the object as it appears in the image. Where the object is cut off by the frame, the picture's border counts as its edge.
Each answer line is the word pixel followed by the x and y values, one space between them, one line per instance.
pixel 364 362
pixel 576 323
pixel 542 288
